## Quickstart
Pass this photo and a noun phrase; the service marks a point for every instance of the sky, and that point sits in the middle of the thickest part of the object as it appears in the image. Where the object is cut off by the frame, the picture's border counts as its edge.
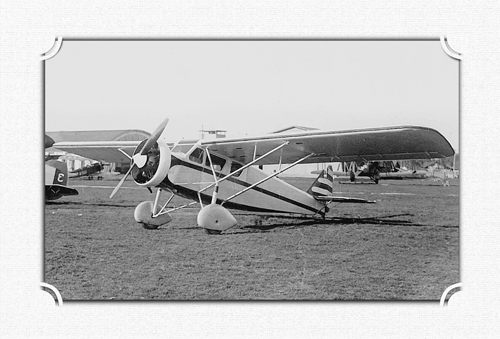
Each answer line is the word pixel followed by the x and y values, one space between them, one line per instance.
pixel 251 87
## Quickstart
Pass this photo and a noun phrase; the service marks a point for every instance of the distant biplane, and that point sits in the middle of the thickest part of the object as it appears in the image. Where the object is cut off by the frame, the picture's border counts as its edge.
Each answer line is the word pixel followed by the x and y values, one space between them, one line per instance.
pixel 222 174
pixel 374 171
pixel 88 171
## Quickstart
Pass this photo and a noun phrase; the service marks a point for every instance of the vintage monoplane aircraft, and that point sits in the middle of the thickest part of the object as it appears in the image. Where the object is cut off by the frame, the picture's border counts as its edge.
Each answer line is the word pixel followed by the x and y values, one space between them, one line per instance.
pixel 222 174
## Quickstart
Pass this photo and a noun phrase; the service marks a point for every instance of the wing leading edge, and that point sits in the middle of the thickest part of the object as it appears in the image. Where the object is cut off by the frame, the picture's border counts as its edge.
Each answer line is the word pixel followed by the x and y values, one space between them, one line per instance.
pixel 107 151
pixel 392 143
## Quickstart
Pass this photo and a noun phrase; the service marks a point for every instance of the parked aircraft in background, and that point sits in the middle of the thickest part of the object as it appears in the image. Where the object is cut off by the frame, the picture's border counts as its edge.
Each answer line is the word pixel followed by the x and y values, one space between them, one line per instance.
pixel 375 171
pixel 88 171
pixel 56 177
pixel 56 180
pixel 221 174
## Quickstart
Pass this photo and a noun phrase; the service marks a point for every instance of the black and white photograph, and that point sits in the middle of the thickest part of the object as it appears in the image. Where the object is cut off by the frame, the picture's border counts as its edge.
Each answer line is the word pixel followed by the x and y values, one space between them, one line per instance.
pixel 236 169
pixel 251 169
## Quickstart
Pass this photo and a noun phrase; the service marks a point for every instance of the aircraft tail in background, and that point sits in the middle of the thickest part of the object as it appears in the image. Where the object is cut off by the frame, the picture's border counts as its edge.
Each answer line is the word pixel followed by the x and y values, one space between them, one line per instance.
pixel 56 179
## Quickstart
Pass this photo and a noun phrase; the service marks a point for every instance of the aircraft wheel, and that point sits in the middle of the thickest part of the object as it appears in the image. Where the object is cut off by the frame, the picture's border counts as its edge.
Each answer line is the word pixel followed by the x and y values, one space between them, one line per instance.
pixel 215 217
pixel 143 215
pixel 212 232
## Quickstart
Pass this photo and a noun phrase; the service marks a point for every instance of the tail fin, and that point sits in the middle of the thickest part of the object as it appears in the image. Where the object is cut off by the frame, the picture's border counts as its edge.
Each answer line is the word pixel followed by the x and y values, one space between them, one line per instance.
pixel 56 173
pixel 323 185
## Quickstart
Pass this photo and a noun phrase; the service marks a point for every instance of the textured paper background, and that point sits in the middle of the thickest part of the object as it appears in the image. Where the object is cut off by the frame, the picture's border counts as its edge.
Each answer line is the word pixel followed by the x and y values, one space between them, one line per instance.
pixel 29 28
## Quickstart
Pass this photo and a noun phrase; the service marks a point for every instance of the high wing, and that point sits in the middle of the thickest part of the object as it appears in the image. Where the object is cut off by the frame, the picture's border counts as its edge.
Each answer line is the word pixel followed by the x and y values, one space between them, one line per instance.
pixel 392 143
pixel 108 151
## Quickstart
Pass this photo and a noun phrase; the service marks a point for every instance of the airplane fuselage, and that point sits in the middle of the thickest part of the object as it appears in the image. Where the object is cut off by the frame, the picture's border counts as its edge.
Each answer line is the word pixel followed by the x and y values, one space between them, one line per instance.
pixel 188 175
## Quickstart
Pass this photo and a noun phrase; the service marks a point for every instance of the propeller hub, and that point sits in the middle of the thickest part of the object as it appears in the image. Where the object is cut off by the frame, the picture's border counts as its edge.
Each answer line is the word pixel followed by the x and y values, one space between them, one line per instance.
pixel 152 174
pixel 140 160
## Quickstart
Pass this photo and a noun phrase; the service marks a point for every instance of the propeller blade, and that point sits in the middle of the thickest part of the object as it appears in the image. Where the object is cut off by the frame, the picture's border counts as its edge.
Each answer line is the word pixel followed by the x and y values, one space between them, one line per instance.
pixel 121 182
pixel 154 137
pixel 125 154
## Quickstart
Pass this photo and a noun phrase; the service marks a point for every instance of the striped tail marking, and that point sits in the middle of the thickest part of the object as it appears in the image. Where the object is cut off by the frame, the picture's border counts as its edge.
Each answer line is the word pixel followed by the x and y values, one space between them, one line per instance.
pixel 323 185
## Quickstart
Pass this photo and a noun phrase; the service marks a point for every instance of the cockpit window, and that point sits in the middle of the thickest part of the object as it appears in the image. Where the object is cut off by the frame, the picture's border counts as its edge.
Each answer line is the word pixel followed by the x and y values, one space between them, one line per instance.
pixel 197 155
pixel 182 148
pixel 218 162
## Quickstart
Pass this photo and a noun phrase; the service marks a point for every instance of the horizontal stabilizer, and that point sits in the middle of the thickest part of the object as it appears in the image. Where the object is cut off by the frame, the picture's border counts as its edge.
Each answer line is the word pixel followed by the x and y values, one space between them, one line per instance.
pixel 329 198
pixel 53 192
pixel 64 190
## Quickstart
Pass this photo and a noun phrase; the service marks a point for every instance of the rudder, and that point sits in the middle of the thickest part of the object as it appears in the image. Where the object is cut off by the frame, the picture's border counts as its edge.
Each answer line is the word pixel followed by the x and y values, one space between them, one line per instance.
pixel 323 185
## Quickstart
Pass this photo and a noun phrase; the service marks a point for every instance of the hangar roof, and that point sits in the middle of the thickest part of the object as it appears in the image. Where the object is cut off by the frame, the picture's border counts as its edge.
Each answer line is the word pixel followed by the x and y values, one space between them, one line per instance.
pixel 102 135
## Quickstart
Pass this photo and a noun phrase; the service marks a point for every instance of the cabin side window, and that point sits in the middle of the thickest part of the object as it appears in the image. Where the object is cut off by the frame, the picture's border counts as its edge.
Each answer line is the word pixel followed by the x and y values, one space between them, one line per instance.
pixel 234 167
pixel 197 155
pixel 218 162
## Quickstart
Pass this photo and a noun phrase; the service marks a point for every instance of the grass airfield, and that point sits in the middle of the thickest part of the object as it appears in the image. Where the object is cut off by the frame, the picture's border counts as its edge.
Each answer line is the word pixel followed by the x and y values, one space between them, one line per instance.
pixel 404 247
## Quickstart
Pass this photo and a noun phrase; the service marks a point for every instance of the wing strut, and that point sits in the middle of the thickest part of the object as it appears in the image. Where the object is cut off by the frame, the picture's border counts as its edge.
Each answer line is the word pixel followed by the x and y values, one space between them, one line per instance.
pixel 125 154
pixel 163 209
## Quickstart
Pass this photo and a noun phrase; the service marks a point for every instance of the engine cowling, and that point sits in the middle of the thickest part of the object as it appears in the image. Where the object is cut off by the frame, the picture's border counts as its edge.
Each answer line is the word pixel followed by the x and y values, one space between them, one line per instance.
pixel 152 168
